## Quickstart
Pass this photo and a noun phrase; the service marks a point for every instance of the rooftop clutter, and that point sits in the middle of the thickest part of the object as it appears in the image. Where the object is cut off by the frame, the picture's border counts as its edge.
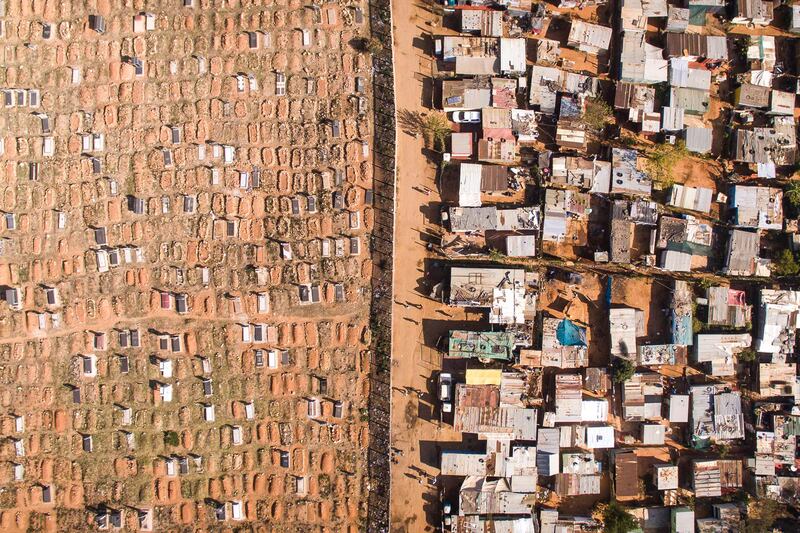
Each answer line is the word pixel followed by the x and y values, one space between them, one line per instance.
pixel 616 252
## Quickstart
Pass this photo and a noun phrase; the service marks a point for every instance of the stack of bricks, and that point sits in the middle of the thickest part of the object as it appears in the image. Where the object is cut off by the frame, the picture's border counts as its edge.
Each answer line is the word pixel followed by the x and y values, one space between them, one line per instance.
pixel 184 259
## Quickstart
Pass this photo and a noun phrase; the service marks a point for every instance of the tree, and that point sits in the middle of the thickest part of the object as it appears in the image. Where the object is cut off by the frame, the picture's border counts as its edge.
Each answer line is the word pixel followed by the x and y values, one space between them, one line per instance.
pixel 616 519
pixel 597 114
pixel 372 45
pixel 662 160
pixel 621 369
pixel 722 449
pixel 762 514
pixel 792 193
pixel 437 128
pixel 785 264
pixel 748 355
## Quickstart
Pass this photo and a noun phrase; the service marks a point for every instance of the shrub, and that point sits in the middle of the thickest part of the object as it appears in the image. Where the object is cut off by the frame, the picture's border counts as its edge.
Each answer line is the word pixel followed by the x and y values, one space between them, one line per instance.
pixel 372 45
pixel 597 114
pixel 496 255
pixel 662 160
pixel 748 355
pixel 785 264
pixel 792 193
pixel 616 519
pixel 762 513
pixel 171 438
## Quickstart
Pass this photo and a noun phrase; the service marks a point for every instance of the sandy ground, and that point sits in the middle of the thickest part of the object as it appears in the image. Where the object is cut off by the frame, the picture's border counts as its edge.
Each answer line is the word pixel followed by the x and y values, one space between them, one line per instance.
pixel 415 416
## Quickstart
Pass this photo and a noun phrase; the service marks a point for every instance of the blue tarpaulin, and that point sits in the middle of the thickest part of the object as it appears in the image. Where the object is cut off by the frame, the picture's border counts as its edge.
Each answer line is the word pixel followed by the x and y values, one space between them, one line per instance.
pixel 568 334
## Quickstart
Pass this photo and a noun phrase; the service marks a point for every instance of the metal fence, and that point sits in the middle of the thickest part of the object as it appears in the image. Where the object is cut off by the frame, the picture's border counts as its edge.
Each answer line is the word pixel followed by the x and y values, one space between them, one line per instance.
pixel 382 247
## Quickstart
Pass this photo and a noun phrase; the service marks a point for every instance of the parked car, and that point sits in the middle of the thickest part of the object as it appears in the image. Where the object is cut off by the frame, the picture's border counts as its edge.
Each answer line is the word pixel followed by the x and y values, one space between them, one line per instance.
pixel 467 117
pixel 446 391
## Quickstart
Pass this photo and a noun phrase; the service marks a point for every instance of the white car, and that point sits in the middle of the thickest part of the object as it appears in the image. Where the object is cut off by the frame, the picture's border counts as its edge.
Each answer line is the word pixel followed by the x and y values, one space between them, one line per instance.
pixel 446 391
pixel 445 386
pixel 467 117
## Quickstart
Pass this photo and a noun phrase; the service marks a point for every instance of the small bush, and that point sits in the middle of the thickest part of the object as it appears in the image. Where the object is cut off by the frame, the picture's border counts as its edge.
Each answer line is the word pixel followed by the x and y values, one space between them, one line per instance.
pixel 616 519
pixel 792 193
pixel 372 45
pixel 748 355
pixel 496 255
pixel 171 438
pixel 785 264
pixel 662 160
pixel 597 114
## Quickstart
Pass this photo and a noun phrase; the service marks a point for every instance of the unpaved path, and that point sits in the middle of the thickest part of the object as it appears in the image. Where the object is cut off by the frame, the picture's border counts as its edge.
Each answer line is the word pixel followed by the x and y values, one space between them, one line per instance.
pixel 414 416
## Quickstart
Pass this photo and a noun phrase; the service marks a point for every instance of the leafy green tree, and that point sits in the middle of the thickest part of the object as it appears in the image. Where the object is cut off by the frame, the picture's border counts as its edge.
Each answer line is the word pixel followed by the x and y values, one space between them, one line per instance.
pixel 762 514
pixel 662 159
pixel 622 369
pixel 437 127
pixel 748 355
pixel 792 193
pixel 785 264
pixel 616 519
pixel 597 114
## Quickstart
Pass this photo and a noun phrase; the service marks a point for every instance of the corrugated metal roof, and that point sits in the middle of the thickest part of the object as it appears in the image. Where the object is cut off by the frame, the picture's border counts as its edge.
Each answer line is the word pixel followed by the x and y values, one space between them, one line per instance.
pixel 693 101
pixel 512 55
pixel 672 118
pixel 693 198
pixel 622 324
pixel 461 145
pixel 706 479
pixel 676 261
pixel 717 47
pixel 456 463
pixel 568 398
pixel 626 476
pixel 588 37
pixel 600 437
pixel 699 140
pixel 743 248
pixel 681 75
pixel 679 408
pixel 521 245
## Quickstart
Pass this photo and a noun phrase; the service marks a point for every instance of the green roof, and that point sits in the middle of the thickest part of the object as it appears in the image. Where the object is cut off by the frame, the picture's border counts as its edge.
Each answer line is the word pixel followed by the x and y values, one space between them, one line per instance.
pixel 481 344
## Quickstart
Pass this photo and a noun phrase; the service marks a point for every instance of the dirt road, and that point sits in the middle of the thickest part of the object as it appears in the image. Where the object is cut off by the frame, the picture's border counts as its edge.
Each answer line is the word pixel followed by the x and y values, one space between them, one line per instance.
pixel 415 410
